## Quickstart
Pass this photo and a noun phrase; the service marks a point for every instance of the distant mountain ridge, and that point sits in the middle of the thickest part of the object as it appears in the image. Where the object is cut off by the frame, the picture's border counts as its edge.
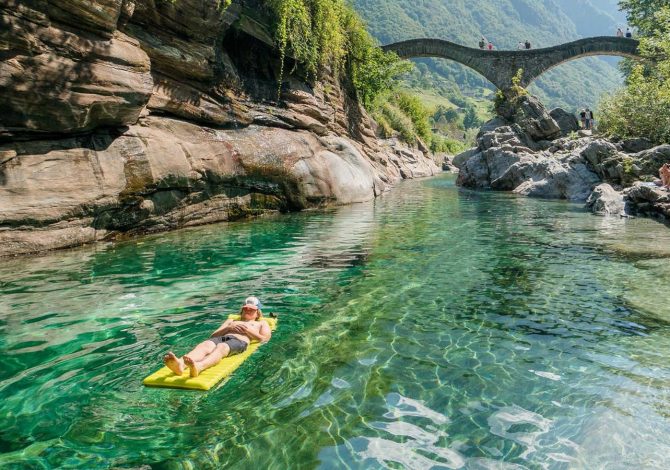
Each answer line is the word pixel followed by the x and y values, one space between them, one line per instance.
pixel 505 23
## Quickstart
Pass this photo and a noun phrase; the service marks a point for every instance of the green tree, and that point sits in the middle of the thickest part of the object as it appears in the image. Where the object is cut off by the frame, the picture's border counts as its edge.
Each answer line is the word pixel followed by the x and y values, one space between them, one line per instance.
pixel 470 120
pixel 640 13
pixel 642 108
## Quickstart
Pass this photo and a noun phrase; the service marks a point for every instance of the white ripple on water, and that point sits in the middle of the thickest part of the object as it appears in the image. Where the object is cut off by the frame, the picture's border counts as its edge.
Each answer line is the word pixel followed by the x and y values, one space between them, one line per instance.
pixel 546 375
pixel 385 451
pixel 419 449
pixel 402 428
pixel 502 421
pixel 402 406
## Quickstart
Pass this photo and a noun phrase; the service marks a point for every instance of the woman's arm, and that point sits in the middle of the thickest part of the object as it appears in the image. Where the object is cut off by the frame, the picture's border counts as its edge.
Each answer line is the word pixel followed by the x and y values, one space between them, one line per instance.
pixel 263 334
pixel 223 329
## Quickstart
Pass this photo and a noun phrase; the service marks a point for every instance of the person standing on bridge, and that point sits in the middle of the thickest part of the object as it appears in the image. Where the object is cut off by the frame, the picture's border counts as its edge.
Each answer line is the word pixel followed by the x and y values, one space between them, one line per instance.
pixel 490 46
pixel 482 43
pixel 629 33
pixel 619 33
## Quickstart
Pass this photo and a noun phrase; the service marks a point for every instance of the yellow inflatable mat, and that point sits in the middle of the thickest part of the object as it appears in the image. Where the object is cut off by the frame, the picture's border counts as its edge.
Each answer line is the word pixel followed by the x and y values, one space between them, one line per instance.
pixel 164 377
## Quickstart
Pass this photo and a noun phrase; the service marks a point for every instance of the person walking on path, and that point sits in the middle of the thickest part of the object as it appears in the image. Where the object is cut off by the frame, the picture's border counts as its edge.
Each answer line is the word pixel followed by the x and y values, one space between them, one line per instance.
pixel 520 45
pixel 527 44
pixel 582 118
pixel 482 43
pixel 619 33
pixel 490 46
pixel 588 119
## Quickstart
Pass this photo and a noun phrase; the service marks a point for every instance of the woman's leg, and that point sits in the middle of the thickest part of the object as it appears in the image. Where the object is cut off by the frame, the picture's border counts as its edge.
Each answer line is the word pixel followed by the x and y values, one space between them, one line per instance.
pixel 177 365
pixel 195 367
pixel 201 350
pixel 173 363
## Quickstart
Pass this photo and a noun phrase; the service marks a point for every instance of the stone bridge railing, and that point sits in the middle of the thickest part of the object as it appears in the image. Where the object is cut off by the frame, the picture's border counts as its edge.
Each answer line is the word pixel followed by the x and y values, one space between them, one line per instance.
pixel 500 66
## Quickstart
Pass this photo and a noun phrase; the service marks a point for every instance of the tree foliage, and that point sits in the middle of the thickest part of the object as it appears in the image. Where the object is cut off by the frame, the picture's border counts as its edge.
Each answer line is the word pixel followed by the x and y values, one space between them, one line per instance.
pixel 403 115
pixel 327 35
pixel 640 13
pixel 642 108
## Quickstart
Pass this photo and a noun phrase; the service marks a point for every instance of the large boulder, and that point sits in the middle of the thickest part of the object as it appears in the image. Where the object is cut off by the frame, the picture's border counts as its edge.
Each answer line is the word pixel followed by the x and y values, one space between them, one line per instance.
pixel 535 175
pixel 459 160
pixel 604 200
pixel 567 122
pixel 651 160
pixel 532 117
pixel 636 145
pixel 649 200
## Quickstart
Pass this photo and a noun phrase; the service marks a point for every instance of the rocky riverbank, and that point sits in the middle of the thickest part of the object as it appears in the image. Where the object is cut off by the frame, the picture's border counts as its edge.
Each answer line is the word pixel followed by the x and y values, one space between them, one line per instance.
pixel 135 116
pixel 537 153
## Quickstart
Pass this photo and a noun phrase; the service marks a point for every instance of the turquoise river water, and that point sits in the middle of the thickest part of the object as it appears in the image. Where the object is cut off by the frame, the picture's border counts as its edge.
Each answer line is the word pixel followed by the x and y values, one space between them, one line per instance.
pixel 434 327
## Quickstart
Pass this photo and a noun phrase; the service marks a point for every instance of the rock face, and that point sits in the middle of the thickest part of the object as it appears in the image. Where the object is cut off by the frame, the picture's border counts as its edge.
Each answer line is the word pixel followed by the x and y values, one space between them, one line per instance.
pixel 510 157
pixel 130 116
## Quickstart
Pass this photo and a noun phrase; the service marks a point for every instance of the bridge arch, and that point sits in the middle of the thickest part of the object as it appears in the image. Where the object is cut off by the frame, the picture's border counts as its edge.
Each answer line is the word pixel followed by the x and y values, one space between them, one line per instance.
pixel 499 67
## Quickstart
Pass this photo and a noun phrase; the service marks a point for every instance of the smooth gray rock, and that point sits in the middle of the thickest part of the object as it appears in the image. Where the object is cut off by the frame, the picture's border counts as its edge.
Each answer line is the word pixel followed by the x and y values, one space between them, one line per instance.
pixel 598 151
pixel 534 119
pixel 636 145
pixel 649 200
pixel 604 200
pixel 529 174
pixel 651 160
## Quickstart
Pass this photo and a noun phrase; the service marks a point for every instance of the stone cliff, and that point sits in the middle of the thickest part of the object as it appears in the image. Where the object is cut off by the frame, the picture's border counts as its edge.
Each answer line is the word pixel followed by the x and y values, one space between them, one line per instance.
pixel 134 116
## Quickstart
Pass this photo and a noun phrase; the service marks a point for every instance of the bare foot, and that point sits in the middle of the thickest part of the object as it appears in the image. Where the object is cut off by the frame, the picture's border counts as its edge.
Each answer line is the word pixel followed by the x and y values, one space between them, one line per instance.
pixel 173 363
pixel 192 366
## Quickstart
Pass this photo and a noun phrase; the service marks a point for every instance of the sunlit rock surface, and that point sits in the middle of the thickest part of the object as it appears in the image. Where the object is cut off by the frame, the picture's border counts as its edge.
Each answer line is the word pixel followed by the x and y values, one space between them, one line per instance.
pixel 127 116
pixel 512 155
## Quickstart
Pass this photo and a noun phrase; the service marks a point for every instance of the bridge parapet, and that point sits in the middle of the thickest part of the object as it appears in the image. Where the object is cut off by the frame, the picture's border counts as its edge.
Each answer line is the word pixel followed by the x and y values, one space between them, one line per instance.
pixel 499 67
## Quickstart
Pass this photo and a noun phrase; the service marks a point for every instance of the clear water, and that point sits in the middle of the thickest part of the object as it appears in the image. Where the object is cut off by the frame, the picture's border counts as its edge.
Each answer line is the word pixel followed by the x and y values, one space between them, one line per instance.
pixel 431 328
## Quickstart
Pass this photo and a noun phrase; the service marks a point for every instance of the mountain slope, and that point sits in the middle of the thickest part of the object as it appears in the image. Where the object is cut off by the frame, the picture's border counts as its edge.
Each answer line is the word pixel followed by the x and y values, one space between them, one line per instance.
pixel 505 23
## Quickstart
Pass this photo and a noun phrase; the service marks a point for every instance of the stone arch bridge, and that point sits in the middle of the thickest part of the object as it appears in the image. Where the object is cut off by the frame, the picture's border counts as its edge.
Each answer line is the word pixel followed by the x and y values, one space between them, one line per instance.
pixel 500 66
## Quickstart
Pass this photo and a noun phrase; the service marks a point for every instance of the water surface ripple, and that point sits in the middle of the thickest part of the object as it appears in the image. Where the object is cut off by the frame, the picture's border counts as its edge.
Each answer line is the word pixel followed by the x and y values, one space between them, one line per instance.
pixel 432 328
